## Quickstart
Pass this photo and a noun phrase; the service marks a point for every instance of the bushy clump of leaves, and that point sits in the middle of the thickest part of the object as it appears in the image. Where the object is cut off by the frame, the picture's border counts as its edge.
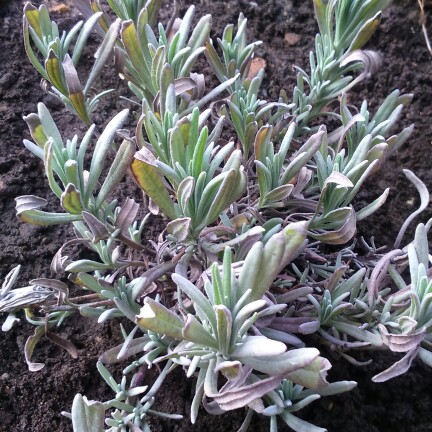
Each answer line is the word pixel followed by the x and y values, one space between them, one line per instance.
pixel 241 272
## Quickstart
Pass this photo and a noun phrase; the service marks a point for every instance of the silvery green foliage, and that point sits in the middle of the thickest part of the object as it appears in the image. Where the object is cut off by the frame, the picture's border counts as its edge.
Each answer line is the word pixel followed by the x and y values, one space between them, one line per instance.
pixel 242 271
pixel 84 196
pixel 130 9
pixel 345 27
pixel 124 9
pixel 236 52
pixel 190 162
pixel 143 54
pixel 131 406
pixel 65 165
pixel 17 299
pixel 58 67
pixel 407 313
pixel 289 398
pixel 246 111
pixel 215 338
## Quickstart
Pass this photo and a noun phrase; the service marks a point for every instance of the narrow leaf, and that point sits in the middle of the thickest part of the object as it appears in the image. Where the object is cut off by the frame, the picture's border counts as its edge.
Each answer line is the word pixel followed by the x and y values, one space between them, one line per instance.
pixel 104 53
pixel 101 150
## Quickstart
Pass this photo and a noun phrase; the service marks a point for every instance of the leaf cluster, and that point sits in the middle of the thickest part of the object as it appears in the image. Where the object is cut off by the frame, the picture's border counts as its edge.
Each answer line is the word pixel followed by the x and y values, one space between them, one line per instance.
pixel 258 269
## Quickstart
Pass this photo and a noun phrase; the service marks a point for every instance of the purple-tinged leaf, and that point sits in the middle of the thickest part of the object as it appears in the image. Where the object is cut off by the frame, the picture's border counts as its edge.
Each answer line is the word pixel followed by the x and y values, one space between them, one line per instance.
pixel 339 235
pixel 29 347
pixel 21 298
pixel 97 228
pixel 398 368
pixel 371 64
pixel 424 202
pixel 341 342
pixel 294 294
pixel 127 215
pixel 239 397
pixel 378 274
pixel 63 343
pixel 294 324
pixel 76 95
pixel 60 262
pixel 84 7
pixel 278 194
pixel 179 228
pixel 403 342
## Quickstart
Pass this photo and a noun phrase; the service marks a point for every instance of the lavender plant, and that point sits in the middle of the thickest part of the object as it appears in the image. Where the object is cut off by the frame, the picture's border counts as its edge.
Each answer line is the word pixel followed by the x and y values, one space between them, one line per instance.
pixel 241 272
pixel 59 68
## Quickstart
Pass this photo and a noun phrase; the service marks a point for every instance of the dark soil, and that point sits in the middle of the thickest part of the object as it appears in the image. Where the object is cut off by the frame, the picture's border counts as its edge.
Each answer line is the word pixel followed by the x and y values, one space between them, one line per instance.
pixel 32 402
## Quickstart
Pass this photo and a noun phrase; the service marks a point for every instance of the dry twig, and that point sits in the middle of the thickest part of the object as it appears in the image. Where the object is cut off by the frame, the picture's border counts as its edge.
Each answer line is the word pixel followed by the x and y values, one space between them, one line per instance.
pixel 423 24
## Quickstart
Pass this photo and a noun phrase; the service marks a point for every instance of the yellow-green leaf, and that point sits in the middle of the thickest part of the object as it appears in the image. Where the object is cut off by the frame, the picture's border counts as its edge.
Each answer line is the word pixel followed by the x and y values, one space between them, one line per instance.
pixel 32 15
pixel 79 104
pixel 76 95
pixel 103 20
pixel 71 200
pixel 156 317
pixel 365 33
pixel 36 130
pixel 38 217
pixel 149 179
pixel 133 48
pixel 52 66
pixel 320 15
